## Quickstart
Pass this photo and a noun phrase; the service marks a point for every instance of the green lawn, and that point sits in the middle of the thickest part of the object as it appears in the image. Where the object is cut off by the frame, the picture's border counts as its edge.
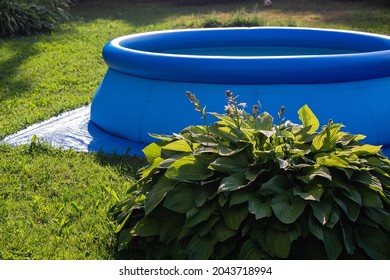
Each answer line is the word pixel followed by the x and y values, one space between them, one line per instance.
pixel 53 203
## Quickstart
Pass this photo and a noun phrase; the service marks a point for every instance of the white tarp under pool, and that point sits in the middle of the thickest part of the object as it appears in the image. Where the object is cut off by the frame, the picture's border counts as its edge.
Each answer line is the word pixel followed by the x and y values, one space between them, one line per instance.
pixel 74 130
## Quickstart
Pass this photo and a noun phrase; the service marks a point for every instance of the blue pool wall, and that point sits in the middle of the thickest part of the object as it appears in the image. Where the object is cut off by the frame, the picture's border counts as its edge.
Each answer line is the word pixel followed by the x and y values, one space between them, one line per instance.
pixel 162 106
pixel 143 90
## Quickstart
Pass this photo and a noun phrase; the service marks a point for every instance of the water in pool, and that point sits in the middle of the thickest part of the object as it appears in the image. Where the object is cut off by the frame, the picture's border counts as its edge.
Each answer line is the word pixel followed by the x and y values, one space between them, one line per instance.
pixel 257 51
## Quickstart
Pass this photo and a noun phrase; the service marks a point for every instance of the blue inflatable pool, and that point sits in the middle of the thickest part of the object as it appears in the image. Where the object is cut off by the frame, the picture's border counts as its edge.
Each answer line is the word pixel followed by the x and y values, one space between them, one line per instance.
pixel 341 75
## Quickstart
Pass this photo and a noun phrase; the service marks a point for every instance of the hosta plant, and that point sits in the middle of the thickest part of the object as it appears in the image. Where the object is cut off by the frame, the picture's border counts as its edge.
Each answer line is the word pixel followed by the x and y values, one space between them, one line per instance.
pixel 19 17
pixel 248 186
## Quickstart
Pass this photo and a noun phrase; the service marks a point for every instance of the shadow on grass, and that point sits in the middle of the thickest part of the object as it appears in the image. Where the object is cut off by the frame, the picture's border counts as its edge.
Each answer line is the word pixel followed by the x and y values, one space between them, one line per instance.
pixel 126 165
pixel 149 16
pixel 362 14
pixel 373 15
pixel 14 55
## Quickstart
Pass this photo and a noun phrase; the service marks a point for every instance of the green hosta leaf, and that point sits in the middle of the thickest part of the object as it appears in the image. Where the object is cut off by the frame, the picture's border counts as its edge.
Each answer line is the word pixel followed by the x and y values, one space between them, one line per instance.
pixel 380 216
pixel 385 196
pixel 226 133
pixel 234 216
pixel 185 232
pixel 163 138
pixel 200 247
pixel 148 226
pixel 334 217
pixel 287 208
pixel 124 239
pixel 302 136
pixel 370 198
pixel 238 197
pixel 230 165
pixel 365 220
pixel 178 146
pixel 278 242
pixel 313 171
pixel 322 211
pixel 366 149
pixel 199 134
pixel 205 227
pixel 353 194
pixel 327 138
pixel 135 186
pixel 151 168
pixel 152 151
pixel 267 133
pixel 264 121
pixel 253 230
pixel 348 238
pixel 374 242
pixel 228 151
pixel 260 207
pixel 385 179
pixel 222 199
pixel 332 244
pixel 122 221
pixel 181 199
pixel 345 139
pixel 171 159
pixel 294 231
pixel 308 119
pixel 275 185
pixel 222 232
pixel 350 208
pixel 368 179
pixel 276 224
pixel 280 149
pixel 300 150
pixel 359 137
pixel 196 129
pixel 348 173
pixel 311 191
pixel 251 251
pixel 201 196
pixel 198 215
pixel 381 173
pixel 339 182
pixel 320 141
pixel 192 167
pixel 375 161
pixel 315 228
pixel 126 207
pixel 224 119
pixel 286 134
pixel 332 161
pixel 171 227
pixel 233 183
pixel 157 193
pixel 252 173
